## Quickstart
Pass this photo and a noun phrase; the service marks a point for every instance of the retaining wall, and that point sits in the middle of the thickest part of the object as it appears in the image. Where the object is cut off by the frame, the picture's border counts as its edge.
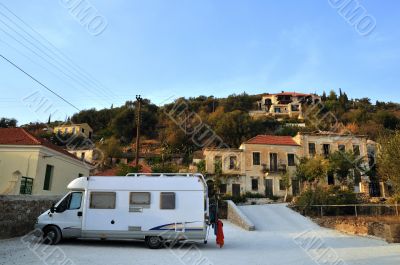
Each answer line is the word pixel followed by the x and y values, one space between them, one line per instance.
pixel 18 213
pixel 387 229
pixel 236 216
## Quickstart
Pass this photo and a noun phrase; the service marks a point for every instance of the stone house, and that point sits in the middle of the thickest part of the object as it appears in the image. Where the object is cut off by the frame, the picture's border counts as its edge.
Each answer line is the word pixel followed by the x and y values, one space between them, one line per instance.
pixel 325 143
pixel 82 129
pixel 258 165
pixel 31 165
pixel 284 105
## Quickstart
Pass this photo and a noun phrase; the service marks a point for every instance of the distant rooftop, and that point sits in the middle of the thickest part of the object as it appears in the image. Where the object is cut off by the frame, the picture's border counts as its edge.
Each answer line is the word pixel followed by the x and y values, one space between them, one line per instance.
pixel 283 93
pixel 272 140
pixel 19 136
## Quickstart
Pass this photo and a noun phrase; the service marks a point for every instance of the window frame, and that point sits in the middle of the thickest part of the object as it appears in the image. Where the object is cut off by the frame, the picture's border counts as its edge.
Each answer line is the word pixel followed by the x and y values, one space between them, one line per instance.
pixel 289 160
pixel 254 184
pixel 225 186
pixel 70 200
pixel 341 148
pixel 162 205
pixel 48 176
pixel 232 162
pixel 326 154
pixel 281 186
pixel 314 149
pixel 358 148
pixel 259 158
pixel 98 192
pixel 133 205
pixel 27 187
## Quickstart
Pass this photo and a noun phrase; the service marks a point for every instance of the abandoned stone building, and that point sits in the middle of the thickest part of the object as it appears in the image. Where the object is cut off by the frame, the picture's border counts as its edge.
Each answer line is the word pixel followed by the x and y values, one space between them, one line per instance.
pixel 257 165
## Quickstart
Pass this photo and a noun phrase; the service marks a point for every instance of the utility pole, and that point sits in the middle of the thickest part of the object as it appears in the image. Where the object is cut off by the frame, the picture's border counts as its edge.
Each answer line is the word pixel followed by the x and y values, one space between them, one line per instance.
pixel 138 121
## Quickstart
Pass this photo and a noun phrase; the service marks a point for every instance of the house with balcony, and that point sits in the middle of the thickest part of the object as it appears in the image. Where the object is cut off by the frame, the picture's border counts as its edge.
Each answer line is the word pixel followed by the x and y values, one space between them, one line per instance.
pixel 255 167
pixel 258 165
pixel 284 105
pixel 323 143
pixel 82 129
pixel 228 163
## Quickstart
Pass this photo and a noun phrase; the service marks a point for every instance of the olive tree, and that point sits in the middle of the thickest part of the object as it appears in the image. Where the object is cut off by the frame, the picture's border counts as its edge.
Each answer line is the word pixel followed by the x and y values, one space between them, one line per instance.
pixel 388 160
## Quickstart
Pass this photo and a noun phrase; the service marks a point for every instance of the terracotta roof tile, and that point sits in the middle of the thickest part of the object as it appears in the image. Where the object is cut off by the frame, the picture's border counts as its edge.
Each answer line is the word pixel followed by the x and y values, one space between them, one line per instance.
pixel 18 136
pixel 272 140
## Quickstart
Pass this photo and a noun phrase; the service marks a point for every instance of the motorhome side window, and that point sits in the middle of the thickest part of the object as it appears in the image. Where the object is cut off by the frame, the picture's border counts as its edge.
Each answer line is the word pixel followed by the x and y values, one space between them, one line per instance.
pixel 139 199
pixel 167 200
pixel 71 202
pixel 102 200
pixel 75 202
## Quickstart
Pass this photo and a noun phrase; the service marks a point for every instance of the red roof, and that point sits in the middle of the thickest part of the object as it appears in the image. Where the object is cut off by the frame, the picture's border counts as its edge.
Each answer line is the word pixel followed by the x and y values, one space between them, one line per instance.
pixel 295 94
pixel 272 140
pixel 18 136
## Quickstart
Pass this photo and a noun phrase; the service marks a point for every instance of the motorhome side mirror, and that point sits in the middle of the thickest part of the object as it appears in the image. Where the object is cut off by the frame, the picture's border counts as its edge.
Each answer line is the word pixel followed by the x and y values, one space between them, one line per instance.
pixel 52 208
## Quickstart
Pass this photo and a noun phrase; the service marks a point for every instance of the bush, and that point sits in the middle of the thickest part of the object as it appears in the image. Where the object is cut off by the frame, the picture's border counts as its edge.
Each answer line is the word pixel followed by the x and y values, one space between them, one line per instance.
pixel 235 199
pixel 326 196
pixel 124 169
pixel 254 195
pixel 164 168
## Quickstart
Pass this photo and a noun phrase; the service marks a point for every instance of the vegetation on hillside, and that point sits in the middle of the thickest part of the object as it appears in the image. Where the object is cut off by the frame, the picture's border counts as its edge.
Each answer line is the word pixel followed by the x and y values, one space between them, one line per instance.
pixel 228 118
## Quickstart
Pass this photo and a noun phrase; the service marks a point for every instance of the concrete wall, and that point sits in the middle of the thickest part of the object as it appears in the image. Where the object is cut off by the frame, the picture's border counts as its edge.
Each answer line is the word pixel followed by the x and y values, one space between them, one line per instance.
pixel 236 216
pixel 19 213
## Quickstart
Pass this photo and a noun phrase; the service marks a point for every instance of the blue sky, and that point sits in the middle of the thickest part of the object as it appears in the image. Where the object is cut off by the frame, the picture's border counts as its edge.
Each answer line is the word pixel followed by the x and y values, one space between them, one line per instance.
pixel 166 49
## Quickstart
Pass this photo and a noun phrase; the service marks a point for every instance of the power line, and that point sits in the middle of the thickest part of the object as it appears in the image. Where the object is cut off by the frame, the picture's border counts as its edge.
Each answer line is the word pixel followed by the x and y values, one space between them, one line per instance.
pixel 60 54
pixel 40 56
pixel 40 65
pixel 40 83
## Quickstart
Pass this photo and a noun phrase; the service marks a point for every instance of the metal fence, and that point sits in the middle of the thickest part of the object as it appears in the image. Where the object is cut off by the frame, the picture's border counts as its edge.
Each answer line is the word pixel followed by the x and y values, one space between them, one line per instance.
pixel 348 210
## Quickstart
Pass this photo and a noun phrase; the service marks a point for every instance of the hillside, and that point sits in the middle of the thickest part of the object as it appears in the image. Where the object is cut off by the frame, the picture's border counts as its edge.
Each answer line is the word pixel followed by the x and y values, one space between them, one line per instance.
pixel 229 119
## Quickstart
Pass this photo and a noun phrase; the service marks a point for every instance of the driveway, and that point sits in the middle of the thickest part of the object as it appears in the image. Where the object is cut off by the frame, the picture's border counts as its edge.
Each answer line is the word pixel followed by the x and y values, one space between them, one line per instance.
pixel 281 237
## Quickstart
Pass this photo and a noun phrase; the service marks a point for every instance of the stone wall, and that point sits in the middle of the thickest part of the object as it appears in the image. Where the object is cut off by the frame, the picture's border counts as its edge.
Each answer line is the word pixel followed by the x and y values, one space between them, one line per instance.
pixel 236 216
pixel 387 228
pixel 19 213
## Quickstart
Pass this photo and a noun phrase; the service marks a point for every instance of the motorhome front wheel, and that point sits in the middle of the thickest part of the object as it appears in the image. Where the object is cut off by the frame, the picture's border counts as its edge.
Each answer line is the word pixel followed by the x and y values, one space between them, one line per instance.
pixel 154 242
pixel 52 235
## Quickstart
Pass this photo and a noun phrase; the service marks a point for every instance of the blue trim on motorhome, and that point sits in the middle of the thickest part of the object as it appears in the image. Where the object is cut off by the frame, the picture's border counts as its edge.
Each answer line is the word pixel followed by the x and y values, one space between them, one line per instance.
pixel 166 229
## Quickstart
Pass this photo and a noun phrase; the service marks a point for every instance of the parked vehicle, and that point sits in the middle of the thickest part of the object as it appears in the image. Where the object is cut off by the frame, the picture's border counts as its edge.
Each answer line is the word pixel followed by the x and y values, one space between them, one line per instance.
pixel 151 207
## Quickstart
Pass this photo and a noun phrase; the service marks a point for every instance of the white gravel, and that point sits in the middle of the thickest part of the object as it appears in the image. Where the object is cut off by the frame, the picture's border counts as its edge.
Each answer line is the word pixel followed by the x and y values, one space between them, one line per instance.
pixel 281 237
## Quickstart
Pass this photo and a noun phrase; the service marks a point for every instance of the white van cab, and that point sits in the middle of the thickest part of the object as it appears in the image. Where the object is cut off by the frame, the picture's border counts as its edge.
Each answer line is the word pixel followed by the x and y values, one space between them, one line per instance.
pixel 152 207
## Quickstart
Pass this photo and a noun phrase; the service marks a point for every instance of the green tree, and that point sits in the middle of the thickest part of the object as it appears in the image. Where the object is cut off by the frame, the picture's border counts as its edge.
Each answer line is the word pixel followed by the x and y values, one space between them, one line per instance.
pixel 388 165
pixel 312 170
pixel 124 169
pixel 387 119
pixel 287 183
pixel 8 123
pixel 164 168
pixel 344 165
pixel 111 148
pixel 201 167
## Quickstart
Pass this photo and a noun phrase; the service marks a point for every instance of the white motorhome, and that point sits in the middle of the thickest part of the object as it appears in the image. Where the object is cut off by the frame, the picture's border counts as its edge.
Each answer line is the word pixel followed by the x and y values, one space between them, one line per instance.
pixel 152 207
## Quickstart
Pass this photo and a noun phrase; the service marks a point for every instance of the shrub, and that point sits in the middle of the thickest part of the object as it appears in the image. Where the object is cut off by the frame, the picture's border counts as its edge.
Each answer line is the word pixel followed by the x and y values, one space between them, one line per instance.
pixel 124 169
pixel 235 199
pixel 164 168
pixel 254 195
pixel 326 196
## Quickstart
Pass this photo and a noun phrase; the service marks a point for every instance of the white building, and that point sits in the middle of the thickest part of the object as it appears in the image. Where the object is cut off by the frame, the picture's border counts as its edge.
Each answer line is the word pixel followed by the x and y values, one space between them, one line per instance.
pixel 31 165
